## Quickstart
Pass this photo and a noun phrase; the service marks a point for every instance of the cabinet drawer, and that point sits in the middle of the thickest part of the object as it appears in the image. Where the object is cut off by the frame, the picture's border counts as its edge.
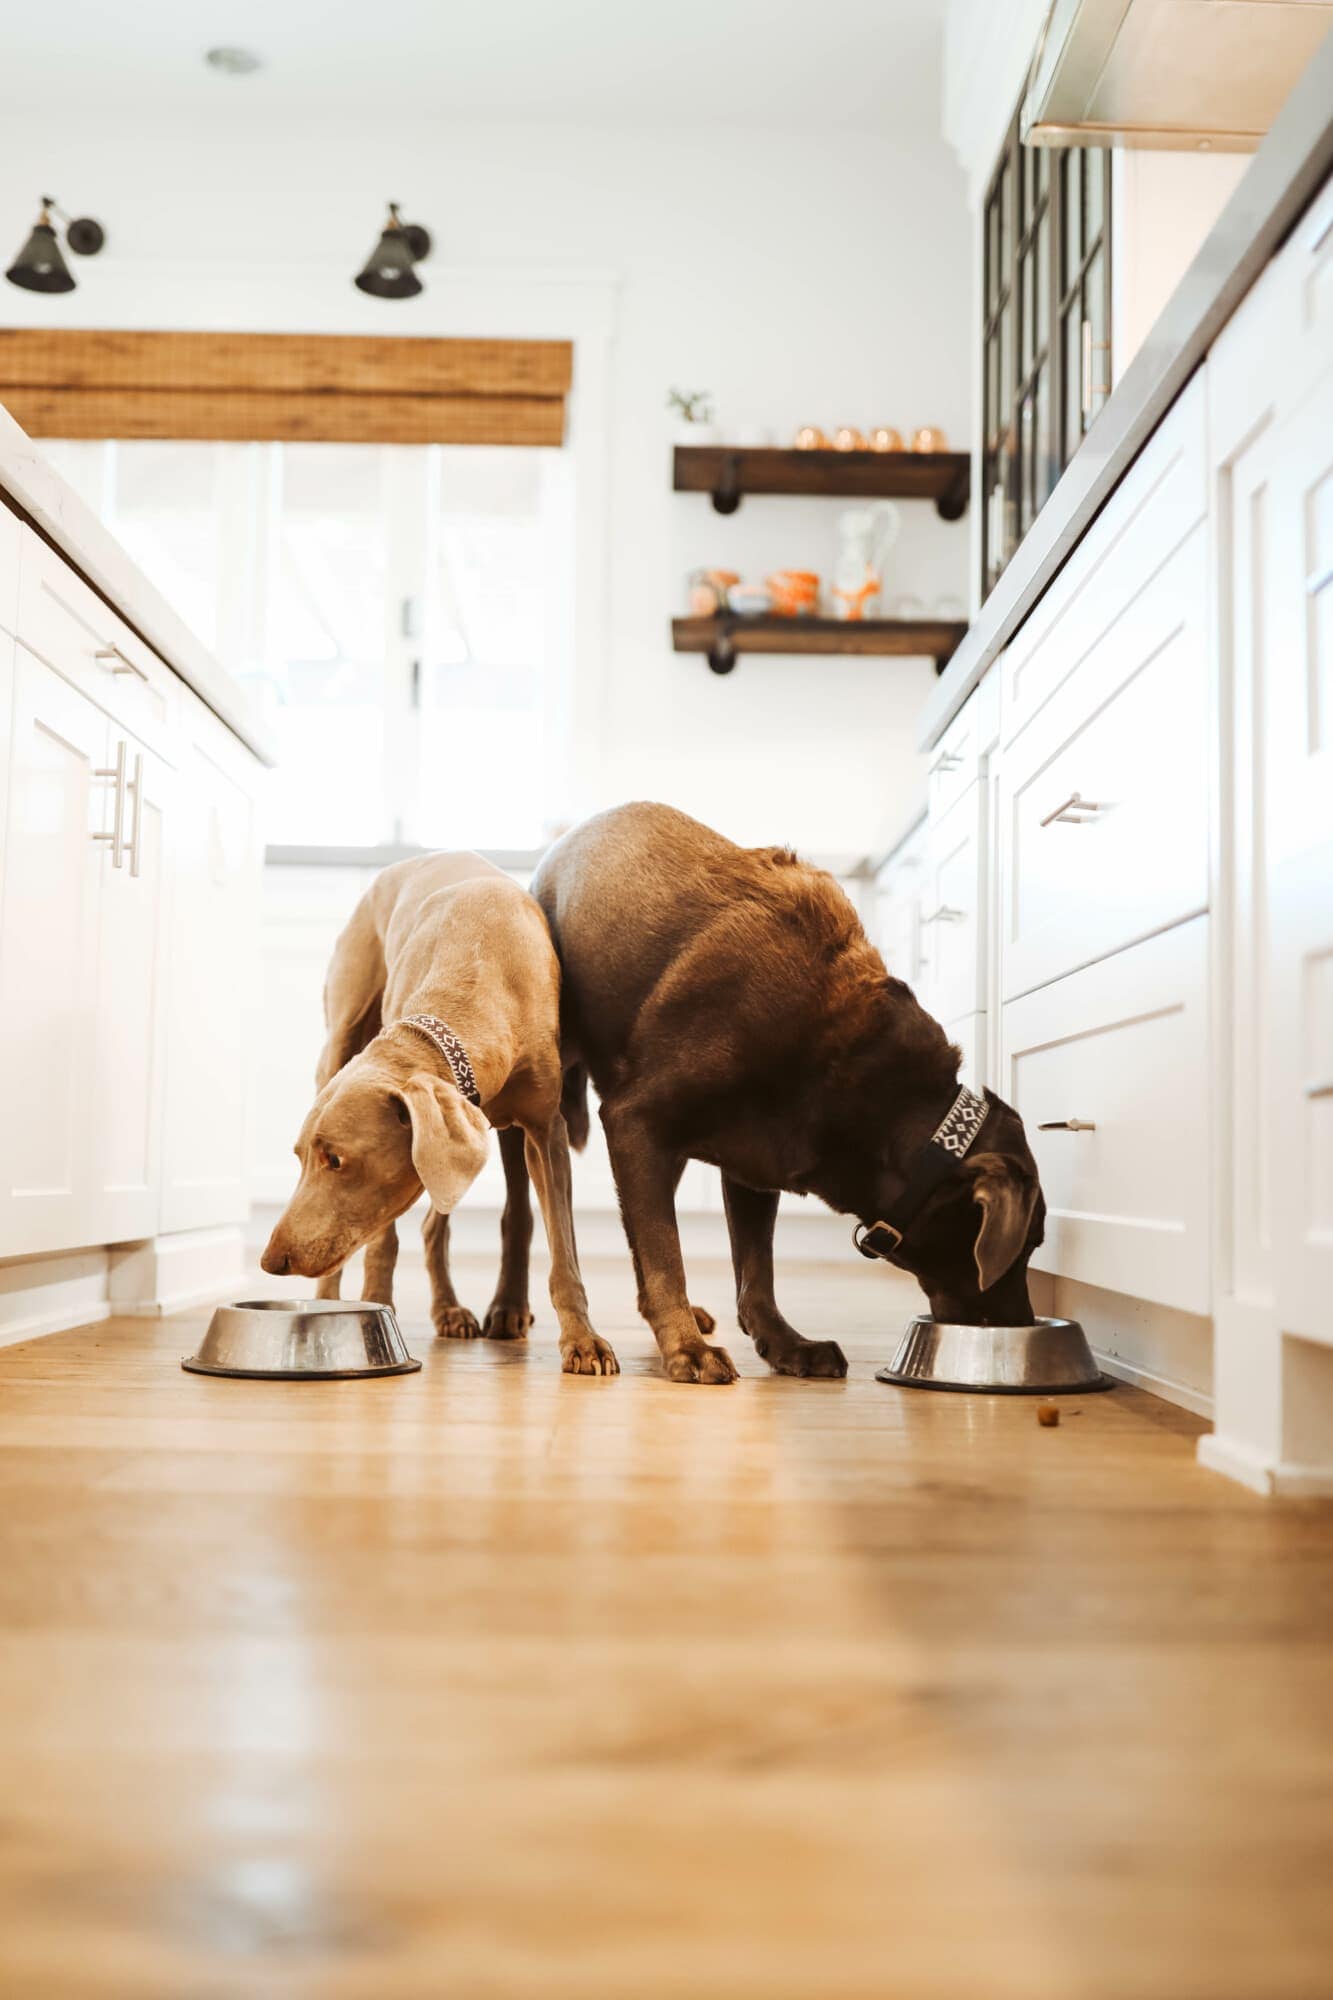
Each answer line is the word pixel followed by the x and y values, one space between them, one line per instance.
pixel 1122 1049
pixel 1104 799
pixel 64 622
pixel 1278 346
pixel 10 542
pixel 1161 499
pixel 953 903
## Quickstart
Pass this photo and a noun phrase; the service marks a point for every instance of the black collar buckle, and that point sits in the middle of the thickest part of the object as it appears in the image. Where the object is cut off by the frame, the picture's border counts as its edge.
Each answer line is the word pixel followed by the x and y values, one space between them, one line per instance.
pixel 876 1239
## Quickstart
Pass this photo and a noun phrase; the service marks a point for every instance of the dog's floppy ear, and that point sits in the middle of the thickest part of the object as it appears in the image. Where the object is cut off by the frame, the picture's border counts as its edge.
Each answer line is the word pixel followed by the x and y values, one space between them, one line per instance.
pixel 449 1138
pixel 1006 1193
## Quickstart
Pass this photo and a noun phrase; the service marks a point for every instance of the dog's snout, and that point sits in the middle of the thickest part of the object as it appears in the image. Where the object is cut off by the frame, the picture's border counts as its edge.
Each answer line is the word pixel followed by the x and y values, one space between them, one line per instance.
pixel 276 1262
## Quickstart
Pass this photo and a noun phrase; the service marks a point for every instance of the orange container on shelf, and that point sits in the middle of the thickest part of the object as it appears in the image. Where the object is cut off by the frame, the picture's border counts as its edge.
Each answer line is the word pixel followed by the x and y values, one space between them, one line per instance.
pixel 795 592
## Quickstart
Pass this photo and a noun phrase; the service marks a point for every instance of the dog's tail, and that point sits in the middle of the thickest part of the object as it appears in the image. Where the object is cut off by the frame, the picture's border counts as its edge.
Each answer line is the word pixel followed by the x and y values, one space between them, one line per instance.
pixel 574 1105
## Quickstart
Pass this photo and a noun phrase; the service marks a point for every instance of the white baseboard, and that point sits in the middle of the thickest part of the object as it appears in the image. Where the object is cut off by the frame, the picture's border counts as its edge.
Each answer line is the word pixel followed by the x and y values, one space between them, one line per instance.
pixel 47 1294
pixel 1158 1348
pixel 1164 1386
pixel 172 1273
pixel 1281 1481
pixel 41 1295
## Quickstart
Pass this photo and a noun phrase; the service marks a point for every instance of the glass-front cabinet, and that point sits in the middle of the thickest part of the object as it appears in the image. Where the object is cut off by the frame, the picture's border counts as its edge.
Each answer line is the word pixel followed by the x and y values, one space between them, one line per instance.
pixel 1047 329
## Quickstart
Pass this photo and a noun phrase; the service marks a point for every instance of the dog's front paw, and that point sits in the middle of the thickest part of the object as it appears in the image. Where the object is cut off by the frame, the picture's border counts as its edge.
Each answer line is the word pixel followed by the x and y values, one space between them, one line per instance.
pixel 507 1323
pixel 456 1323
pixel 700 1364
pixel 822 1359
pixel 588 1354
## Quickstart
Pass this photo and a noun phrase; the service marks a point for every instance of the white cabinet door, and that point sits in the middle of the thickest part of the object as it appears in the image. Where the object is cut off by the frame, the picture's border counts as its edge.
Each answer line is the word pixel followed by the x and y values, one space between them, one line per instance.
pixel 1298 685
pixel 1113 1062
pixel 952 917
pixel 1105 796
pixel 127 1059
pixel 55 860
pixel 213 996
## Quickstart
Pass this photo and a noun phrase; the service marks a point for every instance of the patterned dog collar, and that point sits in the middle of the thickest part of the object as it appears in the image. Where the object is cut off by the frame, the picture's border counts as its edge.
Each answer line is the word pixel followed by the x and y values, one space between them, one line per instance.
pixel 946 1149
pixel 442 1037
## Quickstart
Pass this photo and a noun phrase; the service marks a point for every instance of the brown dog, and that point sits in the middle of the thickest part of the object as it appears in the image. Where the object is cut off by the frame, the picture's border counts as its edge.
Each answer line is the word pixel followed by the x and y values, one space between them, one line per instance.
pixel 442 1008
pixel 730 1008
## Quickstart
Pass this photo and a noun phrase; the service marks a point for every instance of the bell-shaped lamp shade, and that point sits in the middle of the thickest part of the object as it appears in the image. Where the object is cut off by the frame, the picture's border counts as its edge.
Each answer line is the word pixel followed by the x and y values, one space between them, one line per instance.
pixel 39 266
pixel 388 272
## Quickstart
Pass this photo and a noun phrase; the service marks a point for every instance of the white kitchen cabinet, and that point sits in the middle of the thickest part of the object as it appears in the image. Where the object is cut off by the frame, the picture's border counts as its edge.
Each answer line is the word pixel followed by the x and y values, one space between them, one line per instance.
pixel 60 817
pixel 124 1128
pixel 952 915
pixel 1109 1070
pixel 1160 501
pixel 212 991
pixel 80 973
pixel 1104 797
pixel 129 888
pixel 1298 590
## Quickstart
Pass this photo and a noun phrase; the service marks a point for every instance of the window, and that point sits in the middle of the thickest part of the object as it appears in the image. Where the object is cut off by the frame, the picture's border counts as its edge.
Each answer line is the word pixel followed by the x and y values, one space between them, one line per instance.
pixel 403 614
pixel 1046 329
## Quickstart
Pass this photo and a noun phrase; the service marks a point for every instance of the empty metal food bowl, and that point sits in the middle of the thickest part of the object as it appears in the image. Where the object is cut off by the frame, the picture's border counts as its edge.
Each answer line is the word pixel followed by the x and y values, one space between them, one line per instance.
pixel 298 1340
pixel 1048 1358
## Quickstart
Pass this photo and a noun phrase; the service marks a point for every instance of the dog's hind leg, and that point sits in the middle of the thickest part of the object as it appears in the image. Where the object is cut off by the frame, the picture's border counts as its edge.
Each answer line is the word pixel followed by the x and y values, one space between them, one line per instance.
pixel 451 1321
pixel 508 1316
pixel 750 1220
pixel 646 1176
pixel 381 1260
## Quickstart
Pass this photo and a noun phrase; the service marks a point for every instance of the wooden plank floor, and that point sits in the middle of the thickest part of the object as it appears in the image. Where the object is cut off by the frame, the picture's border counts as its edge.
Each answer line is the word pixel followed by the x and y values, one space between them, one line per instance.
pixel 491 1682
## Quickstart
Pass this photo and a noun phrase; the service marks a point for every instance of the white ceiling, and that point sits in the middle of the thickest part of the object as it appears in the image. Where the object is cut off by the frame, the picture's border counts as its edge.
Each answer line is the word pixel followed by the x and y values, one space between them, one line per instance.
pixel 871 65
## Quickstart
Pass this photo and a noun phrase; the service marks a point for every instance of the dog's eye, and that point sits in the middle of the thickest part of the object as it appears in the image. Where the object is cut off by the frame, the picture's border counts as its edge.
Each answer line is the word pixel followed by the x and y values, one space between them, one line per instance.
pixel 332 1160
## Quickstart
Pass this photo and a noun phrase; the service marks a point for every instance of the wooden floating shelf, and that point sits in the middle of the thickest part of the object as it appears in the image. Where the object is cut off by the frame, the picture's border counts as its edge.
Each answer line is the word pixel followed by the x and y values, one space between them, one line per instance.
pixel 724 637
pixel 728 472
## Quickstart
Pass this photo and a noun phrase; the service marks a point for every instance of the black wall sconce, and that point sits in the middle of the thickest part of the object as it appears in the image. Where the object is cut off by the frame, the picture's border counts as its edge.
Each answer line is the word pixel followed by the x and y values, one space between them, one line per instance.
pixel 39 266
pixel 389 271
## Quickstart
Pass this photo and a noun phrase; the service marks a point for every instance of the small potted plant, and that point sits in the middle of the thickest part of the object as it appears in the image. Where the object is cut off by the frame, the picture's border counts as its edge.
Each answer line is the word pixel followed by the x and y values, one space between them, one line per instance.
pixel 693 417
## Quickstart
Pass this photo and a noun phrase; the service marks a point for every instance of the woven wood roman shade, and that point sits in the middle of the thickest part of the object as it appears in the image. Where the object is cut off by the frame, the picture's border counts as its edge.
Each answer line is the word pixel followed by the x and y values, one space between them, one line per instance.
pixel 347 389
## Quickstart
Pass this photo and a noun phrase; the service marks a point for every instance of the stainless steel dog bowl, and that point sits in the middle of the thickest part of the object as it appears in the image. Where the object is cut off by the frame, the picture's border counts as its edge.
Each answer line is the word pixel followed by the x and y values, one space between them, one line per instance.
pixel 299 1340
pixel 1049 1358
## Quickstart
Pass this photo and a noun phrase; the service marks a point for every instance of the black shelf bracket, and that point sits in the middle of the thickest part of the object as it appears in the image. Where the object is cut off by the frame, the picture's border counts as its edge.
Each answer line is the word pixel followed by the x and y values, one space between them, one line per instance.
pixel 727 497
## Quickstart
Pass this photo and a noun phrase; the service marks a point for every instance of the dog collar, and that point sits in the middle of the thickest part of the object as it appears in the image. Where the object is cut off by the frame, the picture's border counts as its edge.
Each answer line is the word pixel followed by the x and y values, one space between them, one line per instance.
pixel 442 1037
pixel 942 1154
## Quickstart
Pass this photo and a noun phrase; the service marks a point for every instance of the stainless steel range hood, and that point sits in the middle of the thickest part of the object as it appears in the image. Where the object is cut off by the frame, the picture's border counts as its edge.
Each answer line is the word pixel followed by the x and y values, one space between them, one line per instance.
pixel 1187 74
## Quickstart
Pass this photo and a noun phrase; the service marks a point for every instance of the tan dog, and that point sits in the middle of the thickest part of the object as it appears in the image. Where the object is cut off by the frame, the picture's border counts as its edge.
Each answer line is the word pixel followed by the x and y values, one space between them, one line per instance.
pixel 445 939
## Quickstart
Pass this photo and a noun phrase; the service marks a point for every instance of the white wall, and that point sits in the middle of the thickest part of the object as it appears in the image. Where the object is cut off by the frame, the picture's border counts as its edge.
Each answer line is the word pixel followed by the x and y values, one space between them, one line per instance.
pixel 799 277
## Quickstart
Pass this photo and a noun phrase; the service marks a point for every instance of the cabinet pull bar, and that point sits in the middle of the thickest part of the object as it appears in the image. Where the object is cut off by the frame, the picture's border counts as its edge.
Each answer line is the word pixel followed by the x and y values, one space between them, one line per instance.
pixel 944 915
pixel 116 772
pixel 1321 1088
pixel 1075 803
pixel 1069 1125
pixel 948 760
pixel 123 665
pixel 136 821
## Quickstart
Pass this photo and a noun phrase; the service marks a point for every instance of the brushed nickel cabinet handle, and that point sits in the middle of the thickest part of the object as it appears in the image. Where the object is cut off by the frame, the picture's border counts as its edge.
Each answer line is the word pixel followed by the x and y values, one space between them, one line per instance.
pixel 944 915
pixel 1068 1125
pixel 122 663
pixel 1069 809
pixel 948 760
pixel 116 772
pixel 136 821
pixel 1323 1088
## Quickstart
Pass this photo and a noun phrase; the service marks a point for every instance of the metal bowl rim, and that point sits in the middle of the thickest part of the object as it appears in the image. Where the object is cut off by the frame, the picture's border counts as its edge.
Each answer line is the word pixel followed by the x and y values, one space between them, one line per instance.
pixel 899 1380
pixel 197 1367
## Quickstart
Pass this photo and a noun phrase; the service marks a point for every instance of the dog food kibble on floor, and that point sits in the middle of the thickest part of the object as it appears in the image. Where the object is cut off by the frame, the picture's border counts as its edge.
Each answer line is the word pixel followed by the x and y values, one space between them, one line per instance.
pixel 1048 1415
